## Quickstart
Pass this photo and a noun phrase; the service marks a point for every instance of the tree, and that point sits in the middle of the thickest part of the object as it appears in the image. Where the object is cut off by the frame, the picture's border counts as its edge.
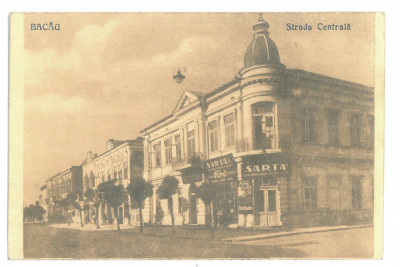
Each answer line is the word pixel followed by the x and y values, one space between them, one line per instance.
pixel 167 189
pixel 94 197
pixel 72 200
pixel 38 212
pixel 115 196
pixel 139 190
pixel 102 190
pixel 208 193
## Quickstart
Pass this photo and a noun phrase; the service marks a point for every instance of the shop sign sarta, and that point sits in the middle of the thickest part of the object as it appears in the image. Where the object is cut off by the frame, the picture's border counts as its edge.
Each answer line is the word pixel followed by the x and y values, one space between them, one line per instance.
pixel 259 166
pixel 220 169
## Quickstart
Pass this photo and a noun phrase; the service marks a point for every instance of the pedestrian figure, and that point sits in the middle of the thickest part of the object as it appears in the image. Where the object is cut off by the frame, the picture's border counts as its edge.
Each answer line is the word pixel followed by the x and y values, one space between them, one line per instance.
pixel 220 217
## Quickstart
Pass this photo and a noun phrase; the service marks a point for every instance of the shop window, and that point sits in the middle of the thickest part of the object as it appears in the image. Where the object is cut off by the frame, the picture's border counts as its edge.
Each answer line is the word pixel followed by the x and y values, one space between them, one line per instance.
pixel 356 193
pixel 213 135
pixel 355 130
pixel 191 143
pixel 264 125
pixel 260 201
pixel 229 122
pixel 308 126
pixel 157 155
pixel 178 147
pixel 333 127
pixel 310 193
pixel 168 151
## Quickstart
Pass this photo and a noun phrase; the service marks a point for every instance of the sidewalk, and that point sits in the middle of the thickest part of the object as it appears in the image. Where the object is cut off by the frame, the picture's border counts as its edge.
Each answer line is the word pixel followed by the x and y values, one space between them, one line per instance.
pixel 297 231
pixel 202 233
pixel 91 227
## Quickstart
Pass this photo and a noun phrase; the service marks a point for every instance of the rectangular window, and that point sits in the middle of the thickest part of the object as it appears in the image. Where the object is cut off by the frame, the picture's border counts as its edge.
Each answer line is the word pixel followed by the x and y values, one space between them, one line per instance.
pixel 168 151
pixel 109 175
pixel 213 136
pixel 333 184
pixel 102 177
pixel 264 129
pixel 119 172
pixel 115 172
pixel 355 130
pixel 370 131
pixel 191 143
pixel 125 170
pixel 310 193
pixel 229 130
pixel 178 147
pixel 333 127
pixel 157 155
pixel 308 126
pixel 356 193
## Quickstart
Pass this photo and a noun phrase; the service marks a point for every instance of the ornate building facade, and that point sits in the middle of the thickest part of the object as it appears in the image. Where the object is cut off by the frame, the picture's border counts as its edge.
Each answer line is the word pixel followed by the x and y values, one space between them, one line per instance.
pixel 57 188
pixel 282 147
pixel 121 162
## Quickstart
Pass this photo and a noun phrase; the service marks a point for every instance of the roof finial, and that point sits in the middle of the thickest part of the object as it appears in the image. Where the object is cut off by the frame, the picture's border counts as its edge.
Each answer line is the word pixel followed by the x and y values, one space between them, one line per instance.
pixel 260 18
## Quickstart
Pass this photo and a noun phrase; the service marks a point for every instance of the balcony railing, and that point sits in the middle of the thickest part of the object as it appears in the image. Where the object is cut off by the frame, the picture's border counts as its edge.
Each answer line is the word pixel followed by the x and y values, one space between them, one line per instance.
pixel 242 145
pixel 193 159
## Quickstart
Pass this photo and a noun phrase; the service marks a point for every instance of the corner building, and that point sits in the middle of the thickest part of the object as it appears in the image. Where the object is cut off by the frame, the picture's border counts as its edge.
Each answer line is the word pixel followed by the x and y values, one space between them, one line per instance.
pixel 283 147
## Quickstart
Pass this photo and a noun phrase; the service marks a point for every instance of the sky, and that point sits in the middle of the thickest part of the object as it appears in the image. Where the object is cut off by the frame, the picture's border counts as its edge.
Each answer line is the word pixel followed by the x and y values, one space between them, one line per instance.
pixel 109 75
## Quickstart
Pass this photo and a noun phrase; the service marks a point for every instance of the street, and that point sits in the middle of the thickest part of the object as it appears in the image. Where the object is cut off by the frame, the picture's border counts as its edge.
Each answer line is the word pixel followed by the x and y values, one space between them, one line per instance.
pixel 42 241
pixel 352 243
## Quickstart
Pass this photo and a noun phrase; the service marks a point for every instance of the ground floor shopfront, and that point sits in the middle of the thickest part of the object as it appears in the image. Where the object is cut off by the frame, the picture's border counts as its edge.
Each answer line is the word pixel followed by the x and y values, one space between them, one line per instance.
pixel 269 190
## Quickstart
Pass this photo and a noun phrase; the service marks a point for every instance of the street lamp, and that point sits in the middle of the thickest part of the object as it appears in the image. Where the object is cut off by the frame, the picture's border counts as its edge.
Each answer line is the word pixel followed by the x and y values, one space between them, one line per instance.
pixel 179 77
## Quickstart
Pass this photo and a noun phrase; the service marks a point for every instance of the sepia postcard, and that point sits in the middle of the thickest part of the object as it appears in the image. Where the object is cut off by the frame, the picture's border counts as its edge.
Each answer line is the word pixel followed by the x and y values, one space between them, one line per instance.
pixel 196 135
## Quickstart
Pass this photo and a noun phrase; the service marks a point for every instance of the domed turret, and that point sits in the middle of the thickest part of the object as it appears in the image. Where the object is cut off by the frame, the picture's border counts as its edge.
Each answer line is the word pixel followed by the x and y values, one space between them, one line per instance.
pixel 261 50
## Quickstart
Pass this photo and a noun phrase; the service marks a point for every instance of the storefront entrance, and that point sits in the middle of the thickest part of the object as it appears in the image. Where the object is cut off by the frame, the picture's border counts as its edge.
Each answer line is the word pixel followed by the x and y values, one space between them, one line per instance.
pixel 269 206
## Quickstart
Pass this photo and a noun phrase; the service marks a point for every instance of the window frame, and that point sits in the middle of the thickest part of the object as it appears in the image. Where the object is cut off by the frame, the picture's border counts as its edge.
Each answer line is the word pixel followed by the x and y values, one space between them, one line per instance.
pixel 157 155
pixel 191 143
pixel 308 125
pixel 213 136
pixel 168 151
pixel 230 127
pixel 265 110
pixel 310 200
pixel 356 193
pixel 355 130
pixel 333 124
pixel 178 147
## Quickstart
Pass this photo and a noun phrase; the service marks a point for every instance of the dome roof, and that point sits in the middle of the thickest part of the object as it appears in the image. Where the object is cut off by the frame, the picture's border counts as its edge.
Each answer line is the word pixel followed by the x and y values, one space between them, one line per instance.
pixel 261 50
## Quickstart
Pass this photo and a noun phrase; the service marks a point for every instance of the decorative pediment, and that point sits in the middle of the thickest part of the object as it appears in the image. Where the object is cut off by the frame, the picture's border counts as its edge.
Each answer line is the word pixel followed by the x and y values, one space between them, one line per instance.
pixel 186 99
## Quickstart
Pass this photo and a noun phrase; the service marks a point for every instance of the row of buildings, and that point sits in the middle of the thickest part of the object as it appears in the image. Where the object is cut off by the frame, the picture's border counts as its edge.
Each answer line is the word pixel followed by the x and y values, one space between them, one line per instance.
pixel 282 147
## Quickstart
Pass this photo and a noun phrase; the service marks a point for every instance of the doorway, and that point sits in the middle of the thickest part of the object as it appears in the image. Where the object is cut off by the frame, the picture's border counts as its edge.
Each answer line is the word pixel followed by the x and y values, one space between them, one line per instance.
pixel 271 215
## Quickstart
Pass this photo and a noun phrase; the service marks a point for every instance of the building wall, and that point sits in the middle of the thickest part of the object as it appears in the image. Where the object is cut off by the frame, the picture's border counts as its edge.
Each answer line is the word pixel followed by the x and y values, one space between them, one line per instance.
pixel 338 163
